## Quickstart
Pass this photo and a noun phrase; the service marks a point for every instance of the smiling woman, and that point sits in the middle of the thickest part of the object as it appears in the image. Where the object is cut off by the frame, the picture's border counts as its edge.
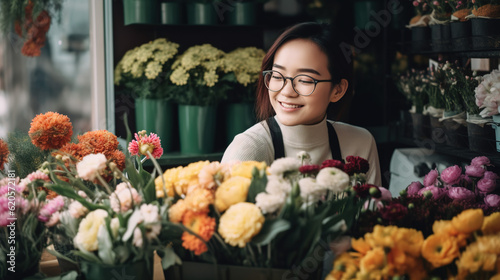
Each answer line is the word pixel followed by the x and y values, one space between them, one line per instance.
pixel 303 72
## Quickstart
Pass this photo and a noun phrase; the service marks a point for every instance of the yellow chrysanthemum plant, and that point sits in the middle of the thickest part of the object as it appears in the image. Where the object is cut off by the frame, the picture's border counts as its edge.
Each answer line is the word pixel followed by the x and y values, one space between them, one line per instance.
pixel 197 75
pixel 278 216
pixel 242 67
pixel 143 72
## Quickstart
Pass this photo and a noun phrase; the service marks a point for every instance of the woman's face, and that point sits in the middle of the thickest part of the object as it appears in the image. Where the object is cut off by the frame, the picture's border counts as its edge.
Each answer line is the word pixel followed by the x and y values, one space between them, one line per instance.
pixel 301 56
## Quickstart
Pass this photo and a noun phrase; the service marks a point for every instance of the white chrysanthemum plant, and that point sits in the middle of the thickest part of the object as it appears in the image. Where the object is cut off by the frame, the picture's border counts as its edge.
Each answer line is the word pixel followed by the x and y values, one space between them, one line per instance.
pixel 488 94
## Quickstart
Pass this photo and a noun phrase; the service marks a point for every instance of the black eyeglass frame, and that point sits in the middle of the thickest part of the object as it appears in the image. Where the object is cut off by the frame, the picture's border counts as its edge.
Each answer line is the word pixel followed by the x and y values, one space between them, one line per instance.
pixel 265 72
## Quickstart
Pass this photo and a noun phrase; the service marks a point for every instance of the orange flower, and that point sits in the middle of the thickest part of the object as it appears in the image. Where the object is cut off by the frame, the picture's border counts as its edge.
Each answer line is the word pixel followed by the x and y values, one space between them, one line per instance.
pixel 345 267
pixel 199 199
pixel 440 249
pixel 373 260
pixel 381 236
pixel 176 212
pixel 201 224
pixel 469 220
pixel 50 130
pixel 446 228
pixel 75 150
pixel 409 240
pixel 100 141
pixel 491 224
pixel 360 245
pixel 4 153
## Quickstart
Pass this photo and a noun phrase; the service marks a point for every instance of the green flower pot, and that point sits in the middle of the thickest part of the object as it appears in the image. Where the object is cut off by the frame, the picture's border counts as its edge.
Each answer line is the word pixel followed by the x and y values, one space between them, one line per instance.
pixel 171 13
pixel 197 129
pixel 136 270
pixel 201 14
pixel 140 11
pixel 157 116
pixel 244 13
pixel 239 117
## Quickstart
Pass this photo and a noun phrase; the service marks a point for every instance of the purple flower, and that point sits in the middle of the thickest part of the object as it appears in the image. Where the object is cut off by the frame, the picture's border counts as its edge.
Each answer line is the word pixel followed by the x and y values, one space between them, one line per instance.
pixel 480 161
pixel 474 171
pixel 451 175
pixel 461 194
pixel 437 193
pixel 413 188
pixel 492 200
pixel 431 177
pixel 486 185
pixel 491 175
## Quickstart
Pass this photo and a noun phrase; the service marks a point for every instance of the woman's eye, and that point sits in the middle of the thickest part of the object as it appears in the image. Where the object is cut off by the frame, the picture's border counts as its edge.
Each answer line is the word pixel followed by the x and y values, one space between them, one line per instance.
pixel 306 81
pixel 277 77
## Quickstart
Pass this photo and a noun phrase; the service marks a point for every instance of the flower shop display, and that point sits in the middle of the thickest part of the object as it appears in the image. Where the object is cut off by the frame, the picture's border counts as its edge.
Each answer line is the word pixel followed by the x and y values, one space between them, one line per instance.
pixel 487 94
pixel 485 19
pixel 242 68
pixel 463 247
pixel 435 107
pixel 440 25
pixel 244 12
pixel 486 8
pixel 31 21
pixel 278 217
pixel 203 12
pixel 198 76
pixel 141 11
pixel 460 25
pixel 143 73
pixel 172 12
pixel 419 25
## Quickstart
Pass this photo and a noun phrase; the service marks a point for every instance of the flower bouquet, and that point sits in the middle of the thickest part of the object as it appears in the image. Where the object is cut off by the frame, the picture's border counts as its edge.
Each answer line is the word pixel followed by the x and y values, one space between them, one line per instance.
pixel 466 246
pixel 280 217
pixel 487 94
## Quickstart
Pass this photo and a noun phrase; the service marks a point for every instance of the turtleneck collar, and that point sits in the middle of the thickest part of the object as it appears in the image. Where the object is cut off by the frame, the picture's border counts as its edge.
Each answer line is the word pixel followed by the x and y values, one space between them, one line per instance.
pixel 305 135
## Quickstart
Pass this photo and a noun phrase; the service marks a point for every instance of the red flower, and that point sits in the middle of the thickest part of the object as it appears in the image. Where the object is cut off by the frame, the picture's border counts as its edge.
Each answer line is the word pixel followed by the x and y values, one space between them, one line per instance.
pixel 393 212
pixel 364 190
pixel 332 163
pixel 309 169
pixel 356 165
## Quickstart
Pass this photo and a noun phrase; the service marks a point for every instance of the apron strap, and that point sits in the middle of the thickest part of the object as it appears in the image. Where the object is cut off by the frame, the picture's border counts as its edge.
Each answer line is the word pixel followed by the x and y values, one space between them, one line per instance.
pixel 334 142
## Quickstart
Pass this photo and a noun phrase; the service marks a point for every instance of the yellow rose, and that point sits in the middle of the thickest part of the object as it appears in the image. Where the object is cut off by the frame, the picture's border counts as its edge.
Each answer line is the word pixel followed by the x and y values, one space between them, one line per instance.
pixel 491 224
pixel 86 238
pixel 240 223
pixel 244 168
pixel 231 191
pixel 469 220
pixel 440 249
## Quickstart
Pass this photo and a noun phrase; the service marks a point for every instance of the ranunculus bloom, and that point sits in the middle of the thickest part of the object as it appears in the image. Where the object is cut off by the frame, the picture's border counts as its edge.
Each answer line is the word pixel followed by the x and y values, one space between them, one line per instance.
pixel 413 188
pixel 77 210
pixel 90 166
pixel 373 260
pixel 360 245
pixel 430 178
pixel 356 164
pixel 491 224
pixel 231 191
pixel 474 171
pixel 480 161
pixel 440 249
pixel 486 185
pixel 491 175
pixel 451 175
pixel 332 163
pixel 333 179
pixel 86 238
pixel 240 223
pixel 460 194
pixel 409 240
pixel 245 168
pixel 386 195
pixel 437 193
pixel 270 202
pixel 469 220
pixel 176 212
pixel 492 200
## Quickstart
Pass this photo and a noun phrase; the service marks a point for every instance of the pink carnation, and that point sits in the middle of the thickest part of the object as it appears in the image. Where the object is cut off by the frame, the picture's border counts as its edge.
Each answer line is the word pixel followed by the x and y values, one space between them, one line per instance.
pixel 431 177
pixel 413 188
pixel 146 143
pixel 461 194
pixel 4 219
pixel 492 200
pixel 486 185
pixel 474 171
pixel 50 208
pixel 451 175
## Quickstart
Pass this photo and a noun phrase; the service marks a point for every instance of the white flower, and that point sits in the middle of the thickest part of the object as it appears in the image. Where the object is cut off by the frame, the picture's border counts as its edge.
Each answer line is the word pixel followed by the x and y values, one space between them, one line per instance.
pixel 150 213
pixel 333 179
pixel 124 197
pixel 137 240
pixel 283 165
pixel 90 166
pixel 310 190
pixel 115 225
pixel 270 203
pixel 276 185
pixel 304 157
pixel 77 210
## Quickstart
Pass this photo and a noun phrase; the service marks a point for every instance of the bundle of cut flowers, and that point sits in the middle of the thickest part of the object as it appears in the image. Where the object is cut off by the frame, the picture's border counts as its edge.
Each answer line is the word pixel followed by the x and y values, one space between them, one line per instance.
pixel 441 195
pixel 245 213
pixel 488 94
pixel 467 246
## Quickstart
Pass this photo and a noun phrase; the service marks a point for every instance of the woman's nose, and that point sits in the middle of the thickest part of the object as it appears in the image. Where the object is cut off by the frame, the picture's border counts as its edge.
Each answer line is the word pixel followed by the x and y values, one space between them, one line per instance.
pixel 288 90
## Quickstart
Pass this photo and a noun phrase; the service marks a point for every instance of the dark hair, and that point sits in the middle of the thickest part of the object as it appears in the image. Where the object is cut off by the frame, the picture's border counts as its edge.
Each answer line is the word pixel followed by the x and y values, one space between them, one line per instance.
pixel 324 37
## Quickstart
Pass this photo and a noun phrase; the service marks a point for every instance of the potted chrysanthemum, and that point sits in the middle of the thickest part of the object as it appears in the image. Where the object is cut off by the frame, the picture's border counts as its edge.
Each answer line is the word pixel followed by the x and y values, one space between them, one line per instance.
pixel 242 67
pixel 197 74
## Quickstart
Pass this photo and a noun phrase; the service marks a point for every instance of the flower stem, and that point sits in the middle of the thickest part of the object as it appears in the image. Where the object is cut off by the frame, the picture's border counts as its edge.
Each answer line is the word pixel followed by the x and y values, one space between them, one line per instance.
pixel 160 172
pixel 104 183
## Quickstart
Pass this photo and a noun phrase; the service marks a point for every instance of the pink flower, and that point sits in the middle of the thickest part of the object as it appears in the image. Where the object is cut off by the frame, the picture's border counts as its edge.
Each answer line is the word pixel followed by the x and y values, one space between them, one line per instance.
pixel 4 219
pixel 486 185
pixel 474 171
pixel 415 3
pixel 491 175
pixel 385 194
pixel 431 177
pixel 480 161
pixel 90 166
pixel 53 220
pixel 50 208
pixel 451 175
pixel 492 200
pixel 461 194
pixel 146 143
pixel 124 198
pixel 413 188
pixel 77 210
pixel 437 193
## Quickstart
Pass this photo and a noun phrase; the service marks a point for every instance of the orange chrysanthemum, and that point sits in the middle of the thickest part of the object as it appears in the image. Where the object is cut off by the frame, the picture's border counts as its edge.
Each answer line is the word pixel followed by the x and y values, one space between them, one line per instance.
pixel 99 141
pixel 201 224
pixel 50 131
pixel 4 153
pixel 118 157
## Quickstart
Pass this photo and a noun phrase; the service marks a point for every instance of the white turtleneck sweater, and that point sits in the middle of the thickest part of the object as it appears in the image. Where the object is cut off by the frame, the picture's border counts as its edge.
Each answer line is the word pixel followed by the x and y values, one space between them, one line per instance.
pixel 256 144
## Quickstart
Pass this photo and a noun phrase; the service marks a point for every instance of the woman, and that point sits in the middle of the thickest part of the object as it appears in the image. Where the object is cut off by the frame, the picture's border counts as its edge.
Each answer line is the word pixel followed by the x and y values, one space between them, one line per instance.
pixel 303 71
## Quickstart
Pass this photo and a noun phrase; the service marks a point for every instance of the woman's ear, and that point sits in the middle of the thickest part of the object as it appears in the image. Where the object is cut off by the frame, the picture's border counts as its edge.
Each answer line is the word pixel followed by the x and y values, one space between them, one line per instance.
pixel 339 90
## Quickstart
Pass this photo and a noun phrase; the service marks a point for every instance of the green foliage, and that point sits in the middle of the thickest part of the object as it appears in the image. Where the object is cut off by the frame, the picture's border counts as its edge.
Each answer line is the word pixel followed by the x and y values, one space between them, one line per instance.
pixel 12 10
pixel 25 157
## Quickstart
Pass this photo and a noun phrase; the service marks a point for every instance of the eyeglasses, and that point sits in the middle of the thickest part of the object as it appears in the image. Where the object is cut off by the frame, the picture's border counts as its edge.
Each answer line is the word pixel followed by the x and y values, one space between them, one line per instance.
pixel 302 84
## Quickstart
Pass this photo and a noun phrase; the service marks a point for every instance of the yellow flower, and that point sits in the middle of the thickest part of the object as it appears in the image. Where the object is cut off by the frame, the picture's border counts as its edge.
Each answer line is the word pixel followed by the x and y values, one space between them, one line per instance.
pixel 360 245
pixel 86 238
pixel 446 228
pixel 491 224
pixel 374 259
pixel 169 177
pixel 409 240
pixel 245 63
pixel 240 223
pixel 245 168
pixel 381 236
pixel 489 244
pixel 199 199
pixel 188 176
pixel 345 267
pixel 440 249
pixel 231 191
pixel 176 212
pixel 469 220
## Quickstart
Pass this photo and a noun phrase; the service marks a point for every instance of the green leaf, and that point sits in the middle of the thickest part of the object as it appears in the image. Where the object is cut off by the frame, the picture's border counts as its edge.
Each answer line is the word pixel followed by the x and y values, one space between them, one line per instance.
pixel 169 258
pixel 105 246
pixel 258 185
pixel 270 230
pixel 61 256
pixel 88 256
pixel 70 193
pixel 149 188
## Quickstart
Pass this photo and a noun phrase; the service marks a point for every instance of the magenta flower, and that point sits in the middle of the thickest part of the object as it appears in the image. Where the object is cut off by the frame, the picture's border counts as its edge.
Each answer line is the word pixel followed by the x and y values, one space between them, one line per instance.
pixel 4 219
pixel 413 188
pixel 491 175
pixel 451 175
pixel 480 161
pixel 492 200
pixel 385 194
pixel 431 177
pixel 460 194
pixel 474 171
pixel 486 185
pixel 437 193
pixel 146 143
pixel 50 208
